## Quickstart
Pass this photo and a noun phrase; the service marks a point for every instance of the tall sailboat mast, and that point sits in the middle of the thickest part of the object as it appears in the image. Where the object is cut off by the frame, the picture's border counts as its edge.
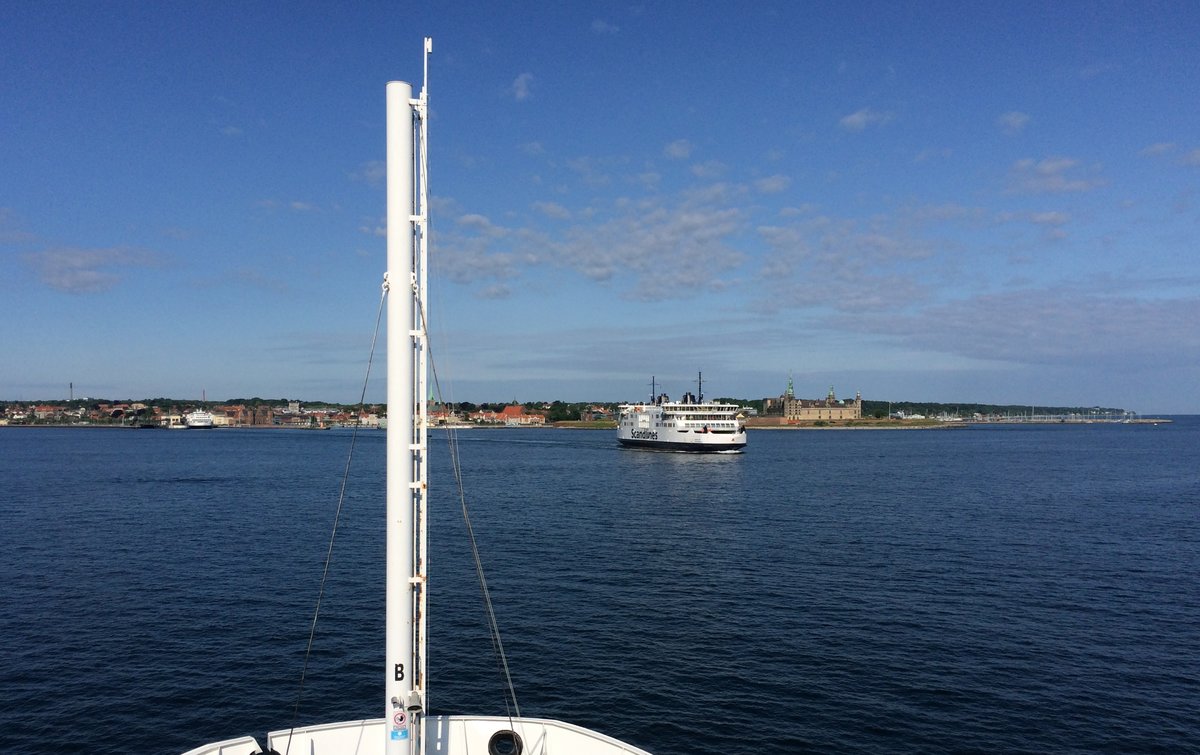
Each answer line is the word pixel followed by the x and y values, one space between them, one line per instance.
pixel 407 347
pixel 405 728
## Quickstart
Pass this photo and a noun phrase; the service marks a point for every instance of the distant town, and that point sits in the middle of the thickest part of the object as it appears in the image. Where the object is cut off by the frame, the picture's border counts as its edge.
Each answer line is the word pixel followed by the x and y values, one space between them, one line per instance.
pixel 785 410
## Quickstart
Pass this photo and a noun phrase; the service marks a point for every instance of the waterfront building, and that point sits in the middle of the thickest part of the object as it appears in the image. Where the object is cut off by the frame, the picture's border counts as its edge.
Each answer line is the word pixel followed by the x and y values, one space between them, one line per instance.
pixel 794 409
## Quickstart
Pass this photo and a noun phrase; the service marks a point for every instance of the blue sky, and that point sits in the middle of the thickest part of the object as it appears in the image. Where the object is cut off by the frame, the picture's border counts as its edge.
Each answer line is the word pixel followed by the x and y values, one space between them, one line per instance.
pixel 993 202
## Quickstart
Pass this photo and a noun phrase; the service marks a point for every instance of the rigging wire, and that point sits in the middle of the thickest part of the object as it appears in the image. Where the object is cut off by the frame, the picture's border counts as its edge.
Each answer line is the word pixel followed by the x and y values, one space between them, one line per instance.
pixel 336 517
pixel 513 711
pixel 456 466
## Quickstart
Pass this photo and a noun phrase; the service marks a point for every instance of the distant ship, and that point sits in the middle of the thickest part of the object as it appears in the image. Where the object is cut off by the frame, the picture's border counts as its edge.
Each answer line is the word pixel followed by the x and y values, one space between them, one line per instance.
pixel 198 420
pixel 690 424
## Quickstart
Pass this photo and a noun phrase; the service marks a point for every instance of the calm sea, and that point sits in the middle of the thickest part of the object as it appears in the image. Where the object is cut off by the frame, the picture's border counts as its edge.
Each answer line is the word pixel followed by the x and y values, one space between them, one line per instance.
pixel 995 589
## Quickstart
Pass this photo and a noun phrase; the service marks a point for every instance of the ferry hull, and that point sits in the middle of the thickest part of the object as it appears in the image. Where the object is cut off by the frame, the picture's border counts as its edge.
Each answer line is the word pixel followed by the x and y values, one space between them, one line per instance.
pixel 687 446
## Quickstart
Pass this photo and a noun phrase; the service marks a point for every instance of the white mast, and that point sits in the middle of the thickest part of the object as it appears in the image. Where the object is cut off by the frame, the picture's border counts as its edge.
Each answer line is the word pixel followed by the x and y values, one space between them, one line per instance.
pixel 407 246
pixel 404 728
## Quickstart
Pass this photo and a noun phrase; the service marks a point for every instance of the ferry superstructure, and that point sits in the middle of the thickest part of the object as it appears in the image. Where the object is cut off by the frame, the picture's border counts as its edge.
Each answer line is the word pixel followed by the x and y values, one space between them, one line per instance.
pixel 690 424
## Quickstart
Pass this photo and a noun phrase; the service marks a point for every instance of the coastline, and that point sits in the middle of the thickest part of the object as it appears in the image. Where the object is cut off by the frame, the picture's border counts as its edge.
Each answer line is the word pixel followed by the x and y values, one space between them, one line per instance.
pixel 576 425
pixel 99 426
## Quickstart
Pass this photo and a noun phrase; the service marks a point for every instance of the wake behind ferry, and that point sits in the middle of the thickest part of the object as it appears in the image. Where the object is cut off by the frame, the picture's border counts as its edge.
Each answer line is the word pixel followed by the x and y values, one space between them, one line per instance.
pixel 690 424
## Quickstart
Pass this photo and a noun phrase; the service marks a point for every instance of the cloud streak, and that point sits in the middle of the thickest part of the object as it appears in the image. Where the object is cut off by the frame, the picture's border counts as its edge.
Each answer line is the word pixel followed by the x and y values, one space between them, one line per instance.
pixel 1052 175
pixel 1048 326
pixel 650 249
pixel 87 271
pixel 522 87
pixel 862 119
pixel 1013 122
pixel 680 149
pixel 600 26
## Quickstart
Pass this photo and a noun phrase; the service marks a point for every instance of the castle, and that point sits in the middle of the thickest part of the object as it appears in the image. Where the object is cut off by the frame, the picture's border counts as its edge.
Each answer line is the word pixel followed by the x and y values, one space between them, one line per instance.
pixel 795 409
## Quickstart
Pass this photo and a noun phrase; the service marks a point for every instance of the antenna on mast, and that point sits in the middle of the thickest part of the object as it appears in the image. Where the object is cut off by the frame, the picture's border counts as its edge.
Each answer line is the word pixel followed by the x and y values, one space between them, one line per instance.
pixel 425 80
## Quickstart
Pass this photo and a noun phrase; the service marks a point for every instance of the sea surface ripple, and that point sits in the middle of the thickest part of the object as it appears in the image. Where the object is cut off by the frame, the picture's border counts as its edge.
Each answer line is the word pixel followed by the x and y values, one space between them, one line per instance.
pixel 986 589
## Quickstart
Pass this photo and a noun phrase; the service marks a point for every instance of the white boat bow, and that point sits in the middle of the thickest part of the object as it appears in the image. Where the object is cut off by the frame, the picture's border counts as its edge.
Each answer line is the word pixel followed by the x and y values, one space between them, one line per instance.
pixel 444 735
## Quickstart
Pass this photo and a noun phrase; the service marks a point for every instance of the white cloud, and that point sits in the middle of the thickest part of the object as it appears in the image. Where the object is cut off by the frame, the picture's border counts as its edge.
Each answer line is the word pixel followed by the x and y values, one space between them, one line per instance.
pixel 819 262
pixel 521 88
pixel 495 291
pixel 772 184
pixel 552 210
pixel 792 212
pixel 590 170
pixel 1012 122
pixel 946 211
pixel 708 169
pixel 648 180
pixel 294 205
pixel 473 251
pixel 1051 175
pixel 1154 150
pixel 177 233
pixel 249 278
pixel 378 230
pixel 930 153
pixel 717 194
pixel 640 240
pixel 600 26
pixel 480 224
pixel 1050 218
pixel 680 149
pixel 860 120
pixel 1162 149
pixel 1054 325
pixel 372 172
pixel 79 271
pixel 627 241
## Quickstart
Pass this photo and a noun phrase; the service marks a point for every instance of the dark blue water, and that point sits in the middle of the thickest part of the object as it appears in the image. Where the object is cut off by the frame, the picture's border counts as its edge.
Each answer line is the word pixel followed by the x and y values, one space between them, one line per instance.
pixel 1001 589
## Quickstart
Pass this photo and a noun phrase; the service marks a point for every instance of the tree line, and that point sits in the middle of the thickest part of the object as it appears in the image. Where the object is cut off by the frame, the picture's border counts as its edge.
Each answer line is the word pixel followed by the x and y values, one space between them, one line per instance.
pixel 560 411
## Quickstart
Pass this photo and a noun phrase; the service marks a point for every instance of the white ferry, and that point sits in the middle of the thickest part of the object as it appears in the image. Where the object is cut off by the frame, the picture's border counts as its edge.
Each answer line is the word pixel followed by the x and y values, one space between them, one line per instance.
pixel 690 424
pixel 198 420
